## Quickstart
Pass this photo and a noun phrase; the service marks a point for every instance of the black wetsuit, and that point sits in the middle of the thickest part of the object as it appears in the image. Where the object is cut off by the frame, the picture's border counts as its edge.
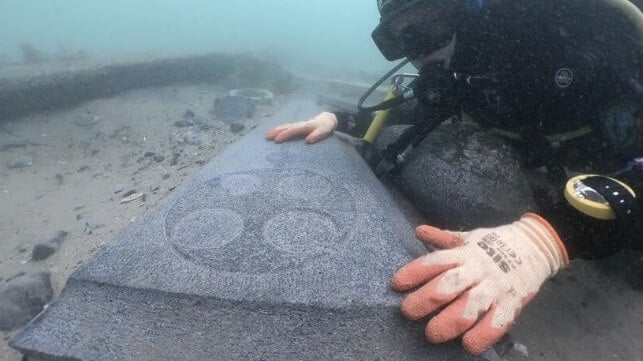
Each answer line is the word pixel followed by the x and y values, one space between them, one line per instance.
pixel 545 78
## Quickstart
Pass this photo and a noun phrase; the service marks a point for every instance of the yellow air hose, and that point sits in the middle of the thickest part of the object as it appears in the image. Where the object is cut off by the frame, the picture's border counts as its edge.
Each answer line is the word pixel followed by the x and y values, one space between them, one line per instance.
pixel 380 118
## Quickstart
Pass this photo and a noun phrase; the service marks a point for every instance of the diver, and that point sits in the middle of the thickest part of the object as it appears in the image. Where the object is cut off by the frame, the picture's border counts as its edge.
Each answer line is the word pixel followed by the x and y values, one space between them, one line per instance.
pixel 560 82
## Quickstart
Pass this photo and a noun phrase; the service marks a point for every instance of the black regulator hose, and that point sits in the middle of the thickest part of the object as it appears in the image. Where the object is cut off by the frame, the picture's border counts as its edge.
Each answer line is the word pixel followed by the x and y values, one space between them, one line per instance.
pixel 396 100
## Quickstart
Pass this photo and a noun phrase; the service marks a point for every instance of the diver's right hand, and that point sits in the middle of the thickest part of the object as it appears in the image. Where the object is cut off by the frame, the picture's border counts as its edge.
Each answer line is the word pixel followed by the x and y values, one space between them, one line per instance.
pixel 315 129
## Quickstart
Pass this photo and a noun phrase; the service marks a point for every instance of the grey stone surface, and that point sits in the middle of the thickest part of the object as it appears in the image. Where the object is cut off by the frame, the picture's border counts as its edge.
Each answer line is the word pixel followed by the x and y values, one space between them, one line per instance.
pixel 460 177
pixel 271 252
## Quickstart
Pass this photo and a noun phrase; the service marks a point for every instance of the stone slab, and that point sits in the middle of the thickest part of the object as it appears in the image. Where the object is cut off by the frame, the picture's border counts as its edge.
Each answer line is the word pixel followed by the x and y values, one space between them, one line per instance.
pixel 270 252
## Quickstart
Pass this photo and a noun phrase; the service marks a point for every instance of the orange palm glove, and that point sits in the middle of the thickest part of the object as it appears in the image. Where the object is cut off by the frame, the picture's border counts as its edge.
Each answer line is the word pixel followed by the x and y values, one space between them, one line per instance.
pixel 484 277
pixel 314 129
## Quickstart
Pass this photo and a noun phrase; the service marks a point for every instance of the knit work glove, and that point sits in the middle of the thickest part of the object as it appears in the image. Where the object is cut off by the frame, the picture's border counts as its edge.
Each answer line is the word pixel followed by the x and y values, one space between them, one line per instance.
pixel 315 129
pixel 484 277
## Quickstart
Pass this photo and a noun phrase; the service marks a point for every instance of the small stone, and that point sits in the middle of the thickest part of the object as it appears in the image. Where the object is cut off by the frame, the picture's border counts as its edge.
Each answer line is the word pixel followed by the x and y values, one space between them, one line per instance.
pixel 41 252
pixel 236 127
pixel 45 249
pixel 192 138
pixel 165 176
pixel 158 158
pixel 175 158
pixel 88 229
pixel 133 197
pixel 118 189
pixel 188 114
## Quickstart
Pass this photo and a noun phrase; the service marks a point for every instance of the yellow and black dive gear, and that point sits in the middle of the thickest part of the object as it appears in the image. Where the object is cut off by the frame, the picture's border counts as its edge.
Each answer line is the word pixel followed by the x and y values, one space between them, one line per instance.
pixel 601 197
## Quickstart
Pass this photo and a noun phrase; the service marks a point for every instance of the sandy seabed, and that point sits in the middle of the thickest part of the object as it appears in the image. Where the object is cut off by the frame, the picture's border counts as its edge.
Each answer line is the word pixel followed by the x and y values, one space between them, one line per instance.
pixel 85 158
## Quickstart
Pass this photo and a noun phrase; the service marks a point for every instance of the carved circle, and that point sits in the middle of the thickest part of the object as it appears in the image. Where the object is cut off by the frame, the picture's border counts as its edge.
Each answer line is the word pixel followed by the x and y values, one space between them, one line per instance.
pixel 261 221
pixel 206 229
pixel 301 232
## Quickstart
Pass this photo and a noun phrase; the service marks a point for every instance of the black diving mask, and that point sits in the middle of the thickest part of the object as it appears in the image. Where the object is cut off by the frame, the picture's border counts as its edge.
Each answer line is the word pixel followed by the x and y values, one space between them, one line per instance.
pixel 415 29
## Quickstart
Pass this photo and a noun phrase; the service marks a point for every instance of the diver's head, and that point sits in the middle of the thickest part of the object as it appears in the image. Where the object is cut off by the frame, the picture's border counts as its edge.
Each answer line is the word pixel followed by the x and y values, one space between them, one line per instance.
pixel 417 29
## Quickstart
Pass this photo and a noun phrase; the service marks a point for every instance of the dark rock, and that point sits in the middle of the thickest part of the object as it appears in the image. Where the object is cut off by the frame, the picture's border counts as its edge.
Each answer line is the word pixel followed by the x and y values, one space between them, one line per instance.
pixel 231 108
pixel 166 176
pixel 158 158
pixel 22 298
pixel 44 250
pixel 188 114
pixel 461 177
pixel 236 127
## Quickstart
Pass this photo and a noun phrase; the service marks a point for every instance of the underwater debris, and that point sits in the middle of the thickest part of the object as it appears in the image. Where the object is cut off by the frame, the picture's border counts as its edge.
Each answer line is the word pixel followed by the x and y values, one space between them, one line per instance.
pixel 21 144
pixel 257 95
pixel 231 108
pixel 133 197
pixel 12 146
pixel 20 163
pixel 86 121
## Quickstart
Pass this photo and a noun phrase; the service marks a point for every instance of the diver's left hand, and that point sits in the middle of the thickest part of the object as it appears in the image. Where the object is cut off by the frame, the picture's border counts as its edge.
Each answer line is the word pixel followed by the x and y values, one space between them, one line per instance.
pixel 484 277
